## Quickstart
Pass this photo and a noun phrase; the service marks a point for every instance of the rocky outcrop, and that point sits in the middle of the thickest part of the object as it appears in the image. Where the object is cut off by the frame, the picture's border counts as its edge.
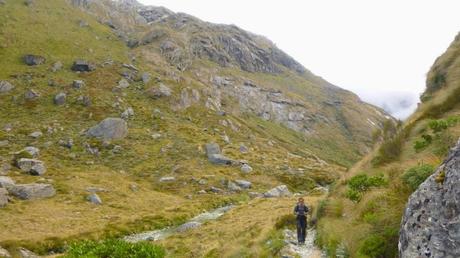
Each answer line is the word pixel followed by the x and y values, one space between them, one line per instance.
pixel 32 191
pixel 215 155
pixel 279 191
pixel 431 223
pixel 109 129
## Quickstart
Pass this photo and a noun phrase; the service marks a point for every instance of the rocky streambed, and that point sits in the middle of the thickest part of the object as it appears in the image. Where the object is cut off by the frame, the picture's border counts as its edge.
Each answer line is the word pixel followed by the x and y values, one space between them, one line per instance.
pixel 195 222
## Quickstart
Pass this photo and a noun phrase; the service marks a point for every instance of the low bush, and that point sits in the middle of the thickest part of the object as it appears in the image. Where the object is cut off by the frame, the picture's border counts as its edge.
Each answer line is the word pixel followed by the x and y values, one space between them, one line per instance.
pixel 114 248
pixel 373 246
pixel 414 176
pixel 423 143
pixel 359 184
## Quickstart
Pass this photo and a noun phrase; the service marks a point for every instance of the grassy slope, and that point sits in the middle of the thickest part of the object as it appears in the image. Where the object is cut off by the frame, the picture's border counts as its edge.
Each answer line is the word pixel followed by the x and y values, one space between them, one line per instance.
pixel 50 28
pixel 379 212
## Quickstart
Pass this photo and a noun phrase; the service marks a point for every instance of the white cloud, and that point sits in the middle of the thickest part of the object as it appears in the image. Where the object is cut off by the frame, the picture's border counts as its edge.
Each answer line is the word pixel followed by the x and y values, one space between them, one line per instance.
pixel 360 45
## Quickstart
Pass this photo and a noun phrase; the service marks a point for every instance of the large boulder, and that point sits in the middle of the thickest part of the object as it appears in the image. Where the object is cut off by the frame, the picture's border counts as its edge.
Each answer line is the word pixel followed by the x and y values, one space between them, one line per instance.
pixel 83 66
pixel 6 181
pixel 32 191
pixel 5 87
pixel 109 129
pixel 243 184
pixel 34 60
pixel 159 91
pixel 279 191
pixel 215 156
pixel 32 166
pixel 431 223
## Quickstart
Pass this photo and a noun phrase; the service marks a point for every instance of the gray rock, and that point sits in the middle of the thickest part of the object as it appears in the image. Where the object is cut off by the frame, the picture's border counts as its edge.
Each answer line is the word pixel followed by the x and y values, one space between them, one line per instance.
pixel 167 179
pixel 6 181
pixel 243 184
pixel 3 252
pixel 5 87
pixel 233 187
pixel 214 155
pixel 215 189
pixel 255 195
pixel 3 201
pixel 60 98
pixel 159 91
pixel 94 198
pixel 430 225
pixel 78 84
pixel 32 151
pixel 68 143
pixel 31 95
pixel 4 169
pixel 279 191
pixel 32 166
pixel 245 168
pixel 2 2
pixel 123 84
pixel 82 66
pixel 29 2
pixel 83 23
pixel 24 253
pixel 84 100
pixel 243 149
pixel 109 129
pixel 36 134
pixel 145 78
pixel 127 114
pixel 93 189
pixel 188 226
pixel 57 66
pixel 34 60
pixel 32 191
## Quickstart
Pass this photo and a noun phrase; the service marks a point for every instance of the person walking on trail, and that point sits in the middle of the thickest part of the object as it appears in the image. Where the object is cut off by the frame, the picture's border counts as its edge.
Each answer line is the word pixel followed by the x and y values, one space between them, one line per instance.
pixel 301 211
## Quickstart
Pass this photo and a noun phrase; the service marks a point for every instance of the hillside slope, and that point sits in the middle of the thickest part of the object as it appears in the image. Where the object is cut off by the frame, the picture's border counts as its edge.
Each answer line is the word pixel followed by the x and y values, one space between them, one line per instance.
pixel 178 83
pixel 363 214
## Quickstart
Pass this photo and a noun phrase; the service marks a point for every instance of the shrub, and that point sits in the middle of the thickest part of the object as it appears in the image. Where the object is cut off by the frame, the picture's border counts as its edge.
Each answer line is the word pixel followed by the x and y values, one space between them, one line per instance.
pixel 438 125
pixel 373 246
pixel 114 248
pixel 423 143
pixel 414 176
pixel 361 183
pixel 353 195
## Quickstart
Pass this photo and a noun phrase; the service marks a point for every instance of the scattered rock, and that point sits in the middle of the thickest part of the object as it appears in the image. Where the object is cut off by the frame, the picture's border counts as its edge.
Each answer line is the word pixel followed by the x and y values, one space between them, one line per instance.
pixel 245 168
pixel 94 198
pixel 123 84
pixel 32 166
pixel 34 60
pixel 60 99
pixel 214 155
pixel 6 181
pixel 117 149
pixel 167 179
pixel 127 114
pixel 31 95
pixel 36 134
pixel 57 66
pixel 109 129
pixel 243 184
pixel 32 191
pixel 82 66
pixel 78 84
pixel 158 92
pixel 145 78
pixel 4 169
pixel 201 192
pixel 233 187
pixel 188 226
pixel 66 143
pixel 3 252
pixel 29 2
pixel 93 189
pixel 156 136
pixel 84 100
pixel 5 87
pixel 24 253
pixel 215 189
pixel 202 181
pixel 279 191
pixel 255 195
pixel 243 149
pixel 30 151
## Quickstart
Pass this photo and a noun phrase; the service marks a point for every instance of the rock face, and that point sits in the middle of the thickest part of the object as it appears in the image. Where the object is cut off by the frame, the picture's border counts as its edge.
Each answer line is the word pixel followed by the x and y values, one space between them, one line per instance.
pixel 279 191
pixel 109 129
pixel 431 223
pixel 5 87
pixel 32 191
pixel 34 60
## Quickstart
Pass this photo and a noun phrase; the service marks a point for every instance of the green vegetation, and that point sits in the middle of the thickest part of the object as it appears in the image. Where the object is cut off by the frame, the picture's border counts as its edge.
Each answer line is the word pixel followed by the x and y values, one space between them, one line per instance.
pixel 359 184
pixel 414 176
pixel 114 248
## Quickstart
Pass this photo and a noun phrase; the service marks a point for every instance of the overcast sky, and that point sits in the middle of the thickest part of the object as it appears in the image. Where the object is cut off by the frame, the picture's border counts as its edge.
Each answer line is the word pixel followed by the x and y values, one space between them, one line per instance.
pixel 381 50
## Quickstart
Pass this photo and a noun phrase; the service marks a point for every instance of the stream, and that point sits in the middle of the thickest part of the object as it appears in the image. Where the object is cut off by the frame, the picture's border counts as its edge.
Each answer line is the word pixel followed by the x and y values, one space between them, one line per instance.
pixel 195 222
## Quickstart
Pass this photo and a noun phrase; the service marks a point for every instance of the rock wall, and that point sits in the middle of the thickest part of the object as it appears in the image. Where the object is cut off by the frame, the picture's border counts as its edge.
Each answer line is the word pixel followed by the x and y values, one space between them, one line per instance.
pixel 431 222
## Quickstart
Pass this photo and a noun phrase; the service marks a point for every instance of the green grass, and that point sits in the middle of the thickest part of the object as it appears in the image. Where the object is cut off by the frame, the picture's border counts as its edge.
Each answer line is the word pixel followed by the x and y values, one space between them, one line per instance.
pixel 115 249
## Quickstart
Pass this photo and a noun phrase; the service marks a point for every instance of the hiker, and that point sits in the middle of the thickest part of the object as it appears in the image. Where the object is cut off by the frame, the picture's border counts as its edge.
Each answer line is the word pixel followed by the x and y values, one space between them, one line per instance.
pixel 301 211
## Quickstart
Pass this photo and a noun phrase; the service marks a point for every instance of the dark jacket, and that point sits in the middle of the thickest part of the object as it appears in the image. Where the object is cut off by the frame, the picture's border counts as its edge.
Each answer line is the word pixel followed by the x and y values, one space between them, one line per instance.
pixel 301 211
